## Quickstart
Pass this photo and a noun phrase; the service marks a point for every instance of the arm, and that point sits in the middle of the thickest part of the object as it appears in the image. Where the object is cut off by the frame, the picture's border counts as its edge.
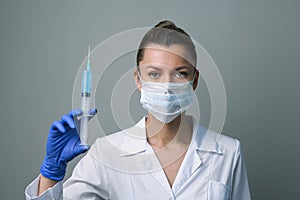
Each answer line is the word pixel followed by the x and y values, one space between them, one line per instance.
pixel 44 184
pixel 63 145
pixel 240 187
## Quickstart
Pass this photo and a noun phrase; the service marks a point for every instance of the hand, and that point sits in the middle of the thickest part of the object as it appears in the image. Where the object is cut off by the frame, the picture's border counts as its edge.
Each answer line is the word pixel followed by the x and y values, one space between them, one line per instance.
pixel 63 145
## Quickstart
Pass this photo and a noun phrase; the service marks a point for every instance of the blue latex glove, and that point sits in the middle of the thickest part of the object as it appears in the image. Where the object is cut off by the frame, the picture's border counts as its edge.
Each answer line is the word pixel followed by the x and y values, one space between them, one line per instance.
pixel 63 145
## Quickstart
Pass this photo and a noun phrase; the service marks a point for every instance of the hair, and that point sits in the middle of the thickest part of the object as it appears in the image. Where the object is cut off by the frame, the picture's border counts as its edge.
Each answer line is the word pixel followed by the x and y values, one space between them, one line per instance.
pixel 166 33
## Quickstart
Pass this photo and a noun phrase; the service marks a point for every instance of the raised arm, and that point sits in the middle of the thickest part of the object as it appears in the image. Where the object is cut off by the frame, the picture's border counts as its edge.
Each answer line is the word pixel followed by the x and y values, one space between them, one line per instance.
pixel 63 145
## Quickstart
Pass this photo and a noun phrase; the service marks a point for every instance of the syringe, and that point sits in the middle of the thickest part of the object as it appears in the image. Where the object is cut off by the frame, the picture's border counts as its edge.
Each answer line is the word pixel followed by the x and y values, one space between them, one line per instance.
pixel 86 88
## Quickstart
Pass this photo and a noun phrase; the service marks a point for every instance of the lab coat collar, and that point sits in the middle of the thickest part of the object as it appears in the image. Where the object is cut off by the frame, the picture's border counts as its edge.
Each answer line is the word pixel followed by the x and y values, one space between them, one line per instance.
pixel 205 140
pixel 135 140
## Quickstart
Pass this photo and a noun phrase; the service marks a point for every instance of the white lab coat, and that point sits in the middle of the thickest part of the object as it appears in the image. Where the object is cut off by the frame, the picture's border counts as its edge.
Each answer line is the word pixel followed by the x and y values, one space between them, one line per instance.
pixel 124 166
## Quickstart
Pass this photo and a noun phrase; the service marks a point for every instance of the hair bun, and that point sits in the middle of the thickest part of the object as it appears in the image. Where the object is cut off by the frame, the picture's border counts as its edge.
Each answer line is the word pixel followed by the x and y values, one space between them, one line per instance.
pixel 165 24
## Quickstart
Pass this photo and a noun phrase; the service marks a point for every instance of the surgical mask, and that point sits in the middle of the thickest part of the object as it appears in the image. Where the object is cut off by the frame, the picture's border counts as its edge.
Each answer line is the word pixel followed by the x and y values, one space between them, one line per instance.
pixel 167 100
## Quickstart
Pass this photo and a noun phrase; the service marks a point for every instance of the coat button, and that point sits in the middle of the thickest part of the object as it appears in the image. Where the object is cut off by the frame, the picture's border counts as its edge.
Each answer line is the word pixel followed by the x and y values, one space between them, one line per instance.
pixel 146 163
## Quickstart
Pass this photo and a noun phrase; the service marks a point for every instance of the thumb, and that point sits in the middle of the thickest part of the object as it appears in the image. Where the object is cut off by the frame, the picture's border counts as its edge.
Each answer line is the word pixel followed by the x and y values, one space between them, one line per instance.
pixel 79 149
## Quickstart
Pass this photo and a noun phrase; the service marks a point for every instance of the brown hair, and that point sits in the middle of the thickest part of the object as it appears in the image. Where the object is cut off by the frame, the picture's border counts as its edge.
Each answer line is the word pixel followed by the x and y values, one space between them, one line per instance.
pixel 166 33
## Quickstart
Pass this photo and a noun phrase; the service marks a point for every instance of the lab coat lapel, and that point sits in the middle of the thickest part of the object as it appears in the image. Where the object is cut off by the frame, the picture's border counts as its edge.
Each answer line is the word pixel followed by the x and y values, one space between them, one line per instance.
pixel 140 156
pixel 203 143
pixel 188 167
pixel 134 139
pixel 141 153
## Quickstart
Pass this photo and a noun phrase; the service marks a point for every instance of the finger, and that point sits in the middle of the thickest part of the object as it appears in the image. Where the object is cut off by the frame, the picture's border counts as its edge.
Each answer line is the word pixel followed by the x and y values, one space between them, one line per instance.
pixel 66 119
pixel 75 113
pixel 93 111
pixel 56 125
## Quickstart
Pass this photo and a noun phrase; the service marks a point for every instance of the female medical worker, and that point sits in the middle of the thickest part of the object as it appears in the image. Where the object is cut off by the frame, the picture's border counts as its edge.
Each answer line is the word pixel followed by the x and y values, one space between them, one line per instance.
pixel 166 155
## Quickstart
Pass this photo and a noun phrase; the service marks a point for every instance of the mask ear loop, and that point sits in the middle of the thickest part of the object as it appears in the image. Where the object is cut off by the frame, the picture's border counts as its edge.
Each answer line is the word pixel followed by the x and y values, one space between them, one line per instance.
pixel 194 75
pixel 192 81
pixel 139 75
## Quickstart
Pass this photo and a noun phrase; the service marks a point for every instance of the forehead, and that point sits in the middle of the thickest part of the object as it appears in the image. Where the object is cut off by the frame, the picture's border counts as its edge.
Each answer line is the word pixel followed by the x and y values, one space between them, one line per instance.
pixel 172 56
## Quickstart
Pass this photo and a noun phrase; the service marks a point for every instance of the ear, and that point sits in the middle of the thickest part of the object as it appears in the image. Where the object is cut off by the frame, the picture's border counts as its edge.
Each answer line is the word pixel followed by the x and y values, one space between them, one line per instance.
pixel 195 83
pixel 137 80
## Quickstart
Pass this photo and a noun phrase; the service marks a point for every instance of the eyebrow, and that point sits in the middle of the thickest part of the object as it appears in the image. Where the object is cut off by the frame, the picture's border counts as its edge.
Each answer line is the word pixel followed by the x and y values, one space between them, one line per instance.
pixel 177 68
pixel 153 67
pixel 182 67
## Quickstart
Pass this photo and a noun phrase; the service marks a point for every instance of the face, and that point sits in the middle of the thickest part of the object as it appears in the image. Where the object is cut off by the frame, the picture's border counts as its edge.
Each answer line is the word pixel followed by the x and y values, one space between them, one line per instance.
pixel 166 64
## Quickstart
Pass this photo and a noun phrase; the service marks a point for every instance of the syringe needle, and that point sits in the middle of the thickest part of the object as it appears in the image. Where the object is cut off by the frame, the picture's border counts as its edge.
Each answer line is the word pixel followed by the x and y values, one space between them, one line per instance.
pixel 88 59
pixel 89 52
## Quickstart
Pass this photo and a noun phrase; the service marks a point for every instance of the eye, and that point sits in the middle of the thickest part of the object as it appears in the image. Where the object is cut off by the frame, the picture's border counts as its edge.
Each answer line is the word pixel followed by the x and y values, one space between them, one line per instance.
pixel 181 75
pixel 154 75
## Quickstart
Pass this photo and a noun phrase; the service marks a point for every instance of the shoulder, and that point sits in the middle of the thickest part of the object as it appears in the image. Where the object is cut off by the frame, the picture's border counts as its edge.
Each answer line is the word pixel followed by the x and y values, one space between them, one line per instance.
pixel 219 142
pixel 228 143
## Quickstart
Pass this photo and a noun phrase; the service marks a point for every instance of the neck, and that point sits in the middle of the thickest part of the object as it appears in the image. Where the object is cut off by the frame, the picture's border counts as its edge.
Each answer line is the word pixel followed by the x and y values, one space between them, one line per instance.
pixel 159 134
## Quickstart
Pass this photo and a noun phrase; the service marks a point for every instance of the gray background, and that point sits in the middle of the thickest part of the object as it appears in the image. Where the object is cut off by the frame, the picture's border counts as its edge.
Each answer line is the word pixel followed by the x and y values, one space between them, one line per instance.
pixel 254 43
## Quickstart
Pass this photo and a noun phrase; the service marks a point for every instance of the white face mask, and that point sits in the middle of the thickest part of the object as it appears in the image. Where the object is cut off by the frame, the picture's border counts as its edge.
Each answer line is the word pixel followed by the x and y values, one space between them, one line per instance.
pixel 166 101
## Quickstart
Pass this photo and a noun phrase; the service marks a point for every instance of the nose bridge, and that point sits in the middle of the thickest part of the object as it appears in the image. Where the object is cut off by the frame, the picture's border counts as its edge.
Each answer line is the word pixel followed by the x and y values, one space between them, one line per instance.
pixel 168 75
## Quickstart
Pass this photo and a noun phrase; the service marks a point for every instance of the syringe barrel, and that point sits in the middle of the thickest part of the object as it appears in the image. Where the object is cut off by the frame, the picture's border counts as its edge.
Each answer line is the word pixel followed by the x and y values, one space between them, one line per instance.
pixel 86 84
pixel 86 88
pixel 84 130
pixel 85 107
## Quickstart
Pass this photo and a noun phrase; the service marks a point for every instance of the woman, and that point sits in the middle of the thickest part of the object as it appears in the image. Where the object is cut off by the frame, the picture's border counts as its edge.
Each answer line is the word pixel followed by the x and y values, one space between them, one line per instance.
pixel 166 155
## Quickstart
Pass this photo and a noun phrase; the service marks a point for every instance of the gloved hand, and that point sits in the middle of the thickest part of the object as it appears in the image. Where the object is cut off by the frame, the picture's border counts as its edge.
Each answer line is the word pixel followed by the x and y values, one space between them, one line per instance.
pixel 63 145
